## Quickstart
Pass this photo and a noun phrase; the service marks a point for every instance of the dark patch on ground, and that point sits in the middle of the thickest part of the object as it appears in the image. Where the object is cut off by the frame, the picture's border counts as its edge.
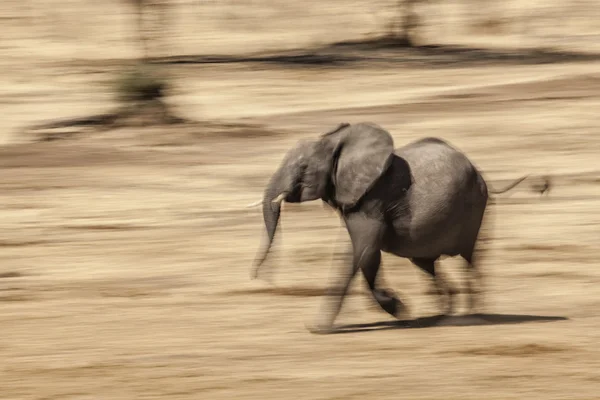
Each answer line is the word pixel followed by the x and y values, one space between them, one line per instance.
pixel 295 291
pixel 385 49
pixel 442 320
pixel 511 350
pixel 10 274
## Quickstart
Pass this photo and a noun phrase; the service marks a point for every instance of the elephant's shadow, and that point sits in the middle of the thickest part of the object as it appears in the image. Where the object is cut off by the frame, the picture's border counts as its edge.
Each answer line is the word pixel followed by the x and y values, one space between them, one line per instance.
pixel 442 320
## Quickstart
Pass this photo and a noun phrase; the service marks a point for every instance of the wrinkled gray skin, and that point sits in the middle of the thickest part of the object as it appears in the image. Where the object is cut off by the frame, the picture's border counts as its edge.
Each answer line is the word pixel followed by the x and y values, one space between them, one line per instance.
pixel 421 201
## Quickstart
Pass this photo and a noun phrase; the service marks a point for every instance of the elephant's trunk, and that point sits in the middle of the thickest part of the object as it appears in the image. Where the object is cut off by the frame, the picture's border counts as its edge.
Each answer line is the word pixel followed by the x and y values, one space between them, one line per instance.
pixel 271 205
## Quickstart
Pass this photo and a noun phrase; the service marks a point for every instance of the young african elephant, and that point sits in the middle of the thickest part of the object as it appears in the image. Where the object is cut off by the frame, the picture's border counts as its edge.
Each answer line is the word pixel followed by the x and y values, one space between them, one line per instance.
pixel 420 201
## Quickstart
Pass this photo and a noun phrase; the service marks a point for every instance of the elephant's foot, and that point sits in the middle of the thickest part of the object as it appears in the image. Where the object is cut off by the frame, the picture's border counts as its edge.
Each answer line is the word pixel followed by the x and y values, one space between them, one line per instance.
pixel 320 326
pixel 401 310
pixel 447 302
pixel 390 303
pixel 475 302
pixel 322 323
pixel 446 295
pixel 319 329
pixel 448 305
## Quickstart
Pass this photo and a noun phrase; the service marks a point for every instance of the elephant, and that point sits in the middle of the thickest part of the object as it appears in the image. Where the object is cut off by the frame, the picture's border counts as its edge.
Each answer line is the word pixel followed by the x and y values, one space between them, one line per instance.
pixel 422 201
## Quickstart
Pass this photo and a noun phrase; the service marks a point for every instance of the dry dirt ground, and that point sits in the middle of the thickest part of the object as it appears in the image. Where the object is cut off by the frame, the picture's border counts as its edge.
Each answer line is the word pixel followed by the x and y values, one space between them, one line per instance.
pixel 125 255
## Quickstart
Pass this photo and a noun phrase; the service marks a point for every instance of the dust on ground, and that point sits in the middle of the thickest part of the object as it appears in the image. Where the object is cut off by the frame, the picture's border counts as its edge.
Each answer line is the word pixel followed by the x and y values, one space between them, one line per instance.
pixel 125 255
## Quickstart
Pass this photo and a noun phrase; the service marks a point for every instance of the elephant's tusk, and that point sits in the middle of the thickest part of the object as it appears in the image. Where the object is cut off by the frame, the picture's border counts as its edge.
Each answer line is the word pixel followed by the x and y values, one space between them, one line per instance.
pixel 255 204
pixel 279 198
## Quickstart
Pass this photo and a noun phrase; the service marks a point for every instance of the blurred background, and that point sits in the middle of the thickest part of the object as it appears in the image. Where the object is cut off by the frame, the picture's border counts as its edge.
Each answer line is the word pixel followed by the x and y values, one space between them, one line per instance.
pixel 135 134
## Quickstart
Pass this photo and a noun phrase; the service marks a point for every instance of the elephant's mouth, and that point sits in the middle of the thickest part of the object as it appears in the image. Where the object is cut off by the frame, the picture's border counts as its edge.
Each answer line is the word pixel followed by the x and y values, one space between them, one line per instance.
pixel 295 194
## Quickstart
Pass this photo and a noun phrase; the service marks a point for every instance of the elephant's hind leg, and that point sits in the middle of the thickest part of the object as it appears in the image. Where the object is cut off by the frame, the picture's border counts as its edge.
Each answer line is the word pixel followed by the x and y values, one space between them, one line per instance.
pixel 442 287
pixel 474 281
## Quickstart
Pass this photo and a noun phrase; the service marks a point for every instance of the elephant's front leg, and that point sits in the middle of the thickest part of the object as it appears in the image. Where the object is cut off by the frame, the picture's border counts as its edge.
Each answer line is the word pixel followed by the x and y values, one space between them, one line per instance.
pixel 387 300
pixel 339 281
pixel 364 234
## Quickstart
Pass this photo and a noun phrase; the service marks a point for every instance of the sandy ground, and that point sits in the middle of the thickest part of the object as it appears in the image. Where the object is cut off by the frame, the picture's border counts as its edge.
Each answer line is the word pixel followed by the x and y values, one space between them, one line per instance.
pixel 125 255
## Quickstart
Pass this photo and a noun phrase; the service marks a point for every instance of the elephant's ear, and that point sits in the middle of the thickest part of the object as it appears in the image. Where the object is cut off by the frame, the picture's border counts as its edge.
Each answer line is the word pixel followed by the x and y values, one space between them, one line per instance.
pixel 364 152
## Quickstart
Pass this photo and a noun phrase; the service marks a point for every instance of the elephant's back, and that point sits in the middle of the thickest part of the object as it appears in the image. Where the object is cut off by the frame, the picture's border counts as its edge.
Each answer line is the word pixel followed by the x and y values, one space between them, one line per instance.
pixel 443 184
pixel 433 150
pixel 437 168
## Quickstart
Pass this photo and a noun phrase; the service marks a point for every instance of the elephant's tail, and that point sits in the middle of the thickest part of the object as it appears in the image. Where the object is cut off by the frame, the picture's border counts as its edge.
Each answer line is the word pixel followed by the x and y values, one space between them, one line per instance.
pixel 509 187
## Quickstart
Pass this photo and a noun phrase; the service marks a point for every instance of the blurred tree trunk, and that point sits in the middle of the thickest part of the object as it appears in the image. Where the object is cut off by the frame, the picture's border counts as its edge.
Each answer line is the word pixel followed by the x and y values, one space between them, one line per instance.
pixel 138 9
pixel 147 32
pixel 404 24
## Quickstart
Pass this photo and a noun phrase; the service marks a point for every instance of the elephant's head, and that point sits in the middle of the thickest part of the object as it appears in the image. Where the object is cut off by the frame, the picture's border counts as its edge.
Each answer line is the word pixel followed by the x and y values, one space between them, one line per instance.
pixel 339 168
